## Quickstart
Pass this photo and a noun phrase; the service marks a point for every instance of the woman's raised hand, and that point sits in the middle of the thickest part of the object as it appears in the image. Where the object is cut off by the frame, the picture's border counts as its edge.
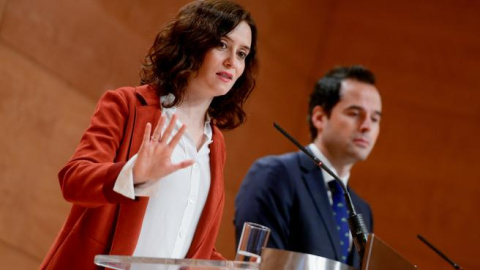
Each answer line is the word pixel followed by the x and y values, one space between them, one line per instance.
pixel 153 160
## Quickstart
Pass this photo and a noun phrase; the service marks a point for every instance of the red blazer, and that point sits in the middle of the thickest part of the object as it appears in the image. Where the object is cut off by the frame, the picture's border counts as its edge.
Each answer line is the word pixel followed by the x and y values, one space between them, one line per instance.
pixel 102 221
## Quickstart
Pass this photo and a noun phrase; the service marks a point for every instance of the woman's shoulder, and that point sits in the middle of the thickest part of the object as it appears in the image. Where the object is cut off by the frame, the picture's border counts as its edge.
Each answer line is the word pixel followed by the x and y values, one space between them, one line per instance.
pixel 145 93
pixel 142 90
pixel 124 91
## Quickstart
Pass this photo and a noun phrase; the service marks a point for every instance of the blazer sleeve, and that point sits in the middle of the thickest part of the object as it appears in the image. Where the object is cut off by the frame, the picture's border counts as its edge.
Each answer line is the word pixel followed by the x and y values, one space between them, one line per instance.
pixel 217 256
pixel 266 197
pixel 88 178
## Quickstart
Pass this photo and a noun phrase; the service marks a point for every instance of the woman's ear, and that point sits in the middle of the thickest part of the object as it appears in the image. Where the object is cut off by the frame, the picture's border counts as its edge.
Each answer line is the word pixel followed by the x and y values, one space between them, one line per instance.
pixel 319 118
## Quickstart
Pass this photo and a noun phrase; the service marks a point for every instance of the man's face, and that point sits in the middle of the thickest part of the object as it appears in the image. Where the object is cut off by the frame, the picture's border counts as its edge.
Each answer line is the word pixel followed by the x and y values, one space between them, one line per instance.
pixel 351 131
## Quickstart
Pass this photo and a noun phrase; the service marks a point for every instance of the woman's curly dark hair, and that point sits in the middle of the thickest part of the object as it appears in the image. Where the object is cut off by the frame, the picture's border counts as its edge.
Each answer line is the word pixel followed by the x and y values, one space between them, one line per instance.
pixel 179 50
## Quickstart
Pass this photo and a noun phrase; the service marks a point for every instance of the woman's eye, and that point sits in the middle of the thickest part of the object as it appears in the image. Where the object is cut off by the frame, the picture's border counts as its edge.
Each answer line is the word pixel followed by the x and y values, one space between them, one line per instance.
pixel 242 55
pixel 222 45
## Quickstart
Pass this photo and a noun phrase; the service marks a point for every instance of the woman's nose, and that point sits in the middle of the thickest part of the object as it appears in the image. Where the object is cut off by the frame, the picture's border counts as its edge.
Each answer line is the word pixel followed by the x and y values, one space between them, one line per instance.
pixel 229 60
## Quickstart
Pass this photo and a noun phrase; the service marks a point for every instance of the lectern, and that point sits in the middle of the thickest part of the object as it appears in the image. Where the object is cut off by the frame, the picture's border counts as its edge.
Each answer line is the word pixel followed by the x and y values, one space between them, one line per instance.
pixel 378 256
pixel 276 259
pixel 143 263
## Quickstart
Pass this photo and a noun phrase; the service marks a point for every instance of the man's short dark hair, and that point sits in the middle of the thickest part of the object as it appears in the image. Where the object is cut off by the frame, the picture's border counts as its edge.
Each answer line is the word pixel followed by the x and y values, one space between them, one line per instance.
pixel 326 92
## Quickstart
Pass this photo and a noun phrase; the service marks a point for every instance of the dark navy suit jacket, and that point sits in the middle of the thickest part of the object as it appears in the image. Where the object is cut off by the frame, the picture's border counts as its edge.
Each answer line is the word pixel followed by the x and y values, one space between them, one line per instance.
pixel 287 193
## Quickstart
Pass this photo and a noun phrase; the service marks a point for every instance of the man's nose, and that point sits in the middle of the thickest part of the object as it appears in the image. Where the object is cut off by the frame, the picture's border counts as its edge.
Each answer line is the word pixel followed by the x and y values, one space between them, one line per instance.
pixel 366 124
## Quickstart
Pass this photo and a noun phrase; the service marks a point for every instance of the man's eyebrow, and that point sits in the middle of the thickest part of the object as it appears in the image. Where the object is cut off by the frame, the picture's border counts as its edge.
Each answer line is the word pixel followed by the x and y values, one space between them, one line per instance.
pixel 359 108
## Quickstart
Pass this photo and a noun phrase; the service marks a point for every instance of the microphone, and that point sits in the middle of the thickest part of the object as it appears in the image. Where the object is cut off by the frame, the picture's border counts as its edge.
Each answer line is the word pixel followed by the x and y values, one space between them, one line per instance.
pixel 456 266
pixel 355 221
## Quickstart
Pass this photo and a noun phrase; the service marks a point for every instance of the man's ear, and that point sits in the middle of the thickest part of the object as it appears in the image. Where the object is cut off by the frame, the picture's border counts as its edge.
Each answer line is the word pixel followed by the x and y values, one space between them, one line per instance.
pixel 319 117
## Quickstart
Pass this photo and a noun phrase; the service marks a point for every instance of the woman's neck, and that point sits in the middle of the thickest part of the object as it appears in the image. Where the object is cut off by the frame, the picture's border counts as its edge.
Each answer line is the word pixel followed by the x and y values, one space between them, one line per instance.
pixel 192 114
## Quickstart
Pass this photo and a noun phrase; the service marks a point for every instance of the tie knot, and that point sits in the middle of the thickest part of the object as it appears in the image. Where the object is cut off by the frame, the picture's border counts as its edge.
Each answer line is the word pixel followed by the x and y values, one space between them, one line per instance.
pixel 335 187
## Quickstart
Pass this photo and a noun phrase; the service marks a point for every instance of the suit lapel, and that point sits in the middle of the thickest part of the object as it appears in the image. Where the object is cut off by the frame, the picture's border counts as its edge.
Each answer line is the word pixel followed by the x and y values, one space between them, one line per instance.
pixel 313 179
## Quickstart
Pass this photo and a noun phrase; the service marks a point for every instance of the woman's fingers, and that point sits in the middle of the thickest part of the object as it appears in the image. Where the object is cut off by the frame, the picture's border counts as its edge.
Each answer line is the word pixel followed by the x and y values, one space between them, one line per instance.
pixel 184 164
pixel 169 129
pixel 157 133
pixel 146 135
pixel 177 137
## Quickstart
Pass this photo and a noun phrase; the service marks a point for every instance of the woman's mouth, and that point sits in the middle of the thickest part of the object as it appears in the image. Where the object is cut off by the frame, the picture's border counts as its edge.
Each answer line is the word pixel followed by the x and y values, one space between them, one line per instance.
pixel 225 76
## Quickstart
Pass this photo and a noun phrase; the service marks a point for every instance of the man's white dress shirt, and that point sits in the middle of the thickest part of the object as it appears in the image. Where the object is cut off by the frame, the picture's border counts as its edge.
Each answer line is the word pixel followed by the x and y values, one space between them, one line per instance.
pixel 327 177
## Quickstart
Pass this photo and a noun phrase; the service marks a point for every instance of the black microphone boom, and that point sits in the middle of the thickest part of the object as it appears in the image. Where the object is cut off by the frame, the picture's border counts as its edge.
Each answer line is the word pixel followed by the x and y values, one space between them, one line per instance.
pixel 355 221
pixel 456 266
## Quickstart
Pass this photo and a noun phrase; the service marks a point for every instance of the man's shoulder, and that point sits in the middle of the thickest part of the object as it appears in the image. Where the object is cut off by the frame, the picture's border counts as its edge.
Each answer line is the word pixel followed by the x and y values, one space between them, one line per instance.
pixel 273 173
pixel 283 165
pixel 287 159
pixel 356 197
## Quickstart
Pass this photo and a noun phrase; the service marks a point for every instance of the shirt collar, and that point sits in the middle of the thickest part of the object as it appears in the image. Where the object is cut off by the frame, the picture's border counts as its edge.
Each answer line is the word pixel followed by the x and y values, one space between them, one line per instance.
pixel 326 177
pixel 169 98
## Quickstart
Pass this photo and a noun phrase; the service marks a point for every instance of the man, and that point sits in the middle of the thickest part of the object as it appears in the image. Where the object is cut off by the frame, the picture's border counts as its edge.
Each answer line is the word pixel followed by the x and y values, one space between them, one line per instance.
pixel 291 195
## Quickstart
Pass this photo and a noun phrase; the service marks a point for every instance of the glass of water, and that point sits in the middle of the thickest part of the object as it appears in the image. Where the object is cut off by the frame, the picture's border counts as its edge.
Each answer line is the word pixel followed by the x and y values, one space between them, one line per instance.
pixel 254 237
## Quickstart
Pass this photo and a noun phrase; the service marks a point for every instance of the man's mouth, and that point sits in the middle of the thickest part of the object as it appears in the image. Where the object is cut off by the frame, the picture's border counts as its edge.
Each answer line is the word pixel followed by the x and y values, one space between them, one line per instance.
pixel 361 142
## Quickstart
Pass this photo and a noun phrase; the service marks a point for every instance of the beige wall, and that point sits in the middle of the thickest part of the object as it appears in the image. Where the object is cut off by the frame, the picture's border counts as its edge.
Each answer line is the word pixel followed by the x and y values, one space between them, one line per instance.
pixel 58 57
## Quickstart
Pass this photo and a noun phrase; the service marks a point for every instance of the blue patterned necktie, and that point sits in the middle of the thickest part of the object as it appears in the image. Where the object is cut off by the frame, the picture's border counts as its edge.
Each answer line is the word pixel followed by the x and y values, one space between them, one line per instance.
pixel 340 212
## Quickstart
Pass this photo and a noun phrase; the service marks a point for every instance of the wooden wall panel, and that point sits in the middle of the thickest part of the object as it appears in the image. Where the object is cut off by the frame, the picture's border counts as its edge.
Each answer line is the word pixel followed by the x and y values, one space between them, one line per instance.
pixel 43 120
pixel 2 7
pixel 143 18
pixel 13 258
pixel 76 41
pixel 420 178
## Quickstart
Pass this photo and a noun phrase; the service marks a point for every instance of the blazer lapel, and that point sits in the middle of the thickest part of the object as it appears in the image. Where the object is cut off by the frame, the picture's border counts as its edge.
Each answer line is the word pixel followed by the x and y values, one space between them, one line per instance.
pixel 313 179
pixel 130 214
pixel 213 208
pixel 147 111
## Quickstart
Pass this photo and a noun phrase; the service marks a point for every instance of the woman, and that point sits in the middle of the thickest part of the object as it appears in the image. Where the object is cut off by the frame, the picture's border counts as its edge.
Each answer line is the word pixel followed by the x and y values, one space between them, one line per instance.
pixel 147 176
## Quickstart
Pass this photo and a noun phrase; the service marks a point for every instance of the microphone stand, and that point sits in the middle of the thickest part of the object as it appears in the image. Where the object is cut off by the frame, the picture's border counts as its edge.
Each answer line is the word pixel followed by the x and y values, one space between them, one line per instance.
pixel 355 221
pixel 456 266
